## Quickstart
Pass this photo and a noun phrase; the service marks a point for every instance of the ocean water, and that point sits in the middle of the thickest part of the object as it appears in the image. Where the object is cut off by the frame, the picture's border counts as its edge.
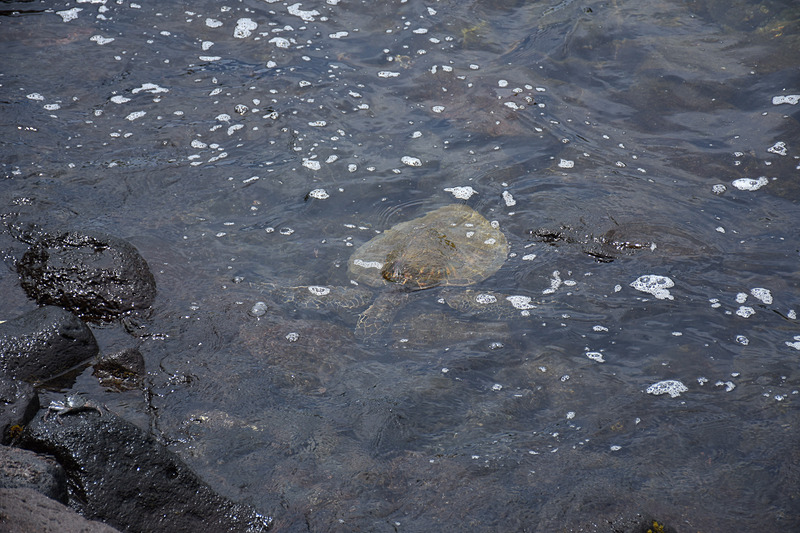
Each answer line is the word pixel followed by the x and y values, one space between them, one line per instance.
pixel 642 159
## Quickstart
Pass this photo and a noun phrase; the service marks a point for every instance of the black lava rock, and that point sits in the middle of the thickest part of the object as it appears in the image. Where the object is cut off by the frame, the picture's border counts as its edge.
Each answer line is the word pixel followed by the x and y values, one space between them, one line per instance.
pixel 97 276
pixel 26 511
pixel 23 469
pixel 122 476
pixel 44 343
pixel 18 404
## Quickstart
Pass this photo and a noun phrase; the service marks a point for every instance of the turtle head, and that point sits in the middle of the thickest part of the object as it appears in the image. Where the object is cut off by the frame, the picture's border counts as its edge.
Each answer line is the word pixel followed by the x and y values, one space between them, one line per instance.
pixel 412 275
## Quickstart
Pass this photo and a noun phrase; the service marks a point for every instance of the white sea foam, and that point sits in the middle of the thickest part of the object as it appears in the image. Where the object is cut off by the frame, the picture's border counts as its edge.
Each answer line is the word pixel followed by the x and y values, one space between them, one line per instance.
pixel 749 184
pixel 762 294
pixel 319 290
pixel 244 28
pixel 520 302
pixel 670 386
pixel 658 286
pixel 69 14
pixel 368 264
pixel 319 194
pixel 462 193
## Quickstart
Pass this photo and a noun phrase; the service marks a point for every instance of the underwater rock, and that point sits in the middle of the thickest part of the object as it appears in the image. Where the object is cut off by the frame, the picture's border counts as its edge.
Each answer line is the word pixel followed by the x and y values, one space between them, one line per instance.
pixel 120 371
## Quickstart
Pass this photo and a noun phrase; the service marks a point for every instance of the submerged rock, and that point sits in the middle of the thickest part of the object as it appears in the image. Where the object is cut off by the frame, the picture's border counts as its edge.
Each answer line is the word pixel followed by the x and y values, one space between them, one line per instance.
pixel 124 477
pixel 44 343
pixel 122 370
pixel 97 276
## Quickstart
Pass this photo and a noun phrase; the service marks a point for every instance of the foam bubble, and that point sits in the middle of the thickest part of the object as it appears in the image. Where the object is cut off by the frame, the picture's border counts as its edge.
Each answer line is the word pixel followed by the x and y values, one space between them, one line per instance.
pixel 319 194
pixel 368 264
pixel 99 39
pixel 244 28
pixel 306 15
pixel 670 386
pixel 520 302
pixel 319 290
pixel 790 99
pixel 762 294
pixel 749 184
pixel 280 42
pixel 258 309
pixel 462 193
pixel 595 356
pixel 778 148
pixel 729 385
pixel 741 297
pixel 151 88
pixel 485 299
pixel 69 14
pixel 658 286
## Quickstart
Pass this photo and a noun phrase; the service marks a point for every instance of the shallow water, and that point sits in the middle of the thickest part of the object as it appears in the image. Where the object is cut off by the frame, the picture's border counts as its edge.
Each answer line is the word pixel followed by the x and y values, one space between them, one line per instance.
pixel 261 142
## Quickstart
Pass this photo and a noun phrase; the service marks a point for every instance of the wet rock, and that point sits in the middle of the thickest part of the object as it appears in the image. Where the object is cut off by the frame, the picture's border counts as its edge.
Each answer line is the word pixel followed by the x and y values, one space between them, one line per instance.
pixel 97 276
pixel 23 469
pixel 18 404
pixel 26 511
pixel 44 343
pixel 124 477
pixel 623 239
pixel 122 370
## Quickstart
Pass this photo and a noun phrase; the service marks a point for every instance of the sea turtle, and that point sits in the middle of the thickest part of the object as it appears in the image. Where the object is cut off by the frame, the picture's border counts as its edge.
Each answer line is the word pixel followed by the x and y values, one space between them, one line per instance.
pixel 451 246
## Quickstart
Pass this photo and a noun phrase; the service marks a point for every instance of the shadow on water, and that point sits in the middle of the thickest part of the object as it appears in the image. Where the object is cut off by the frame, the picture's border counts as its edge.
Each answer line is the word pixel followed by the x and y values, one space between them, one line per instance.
pixel 640 158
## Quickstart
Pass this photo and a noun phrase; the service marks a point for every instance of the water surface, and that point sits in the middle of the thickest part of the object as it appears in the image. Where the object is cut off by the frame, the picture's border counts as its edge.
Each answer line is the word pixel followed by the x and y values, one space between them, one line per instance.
pixel 261 142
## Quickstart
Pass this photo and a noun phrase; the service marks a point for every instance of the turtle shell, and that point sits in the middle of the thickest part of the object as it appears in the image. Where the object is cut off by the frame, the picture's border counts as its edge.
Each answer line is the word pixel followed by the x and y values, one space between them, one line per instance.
pixel 453 245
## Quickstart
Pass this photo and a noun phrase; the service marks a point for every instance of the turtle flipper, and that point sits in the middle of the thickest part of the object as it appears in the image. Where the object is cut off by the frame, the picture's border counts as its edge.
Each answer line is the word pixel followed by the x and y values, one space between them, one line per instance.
pixel 489 304
pixel 377 319
pixel 322 296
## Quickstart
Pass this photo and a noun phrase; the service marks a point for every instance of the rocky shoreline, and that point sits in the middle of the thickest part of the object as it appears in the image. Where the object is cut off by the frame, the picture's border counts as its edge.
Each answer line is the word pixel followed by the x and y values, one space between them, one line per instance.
pixel 75 465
